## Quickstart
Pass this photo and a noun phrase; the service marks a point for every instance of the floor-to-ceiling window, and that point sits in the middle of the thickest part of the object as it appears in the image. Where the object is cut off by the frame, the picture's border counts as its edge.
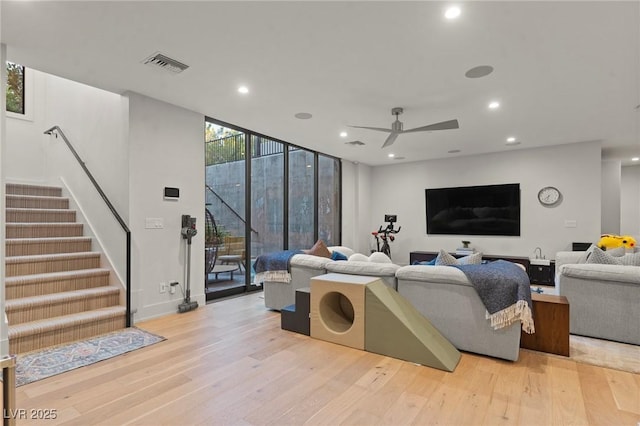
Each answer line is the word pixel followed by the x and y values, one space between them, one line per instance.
pixel 329 200
pixel 285 197
pixel 267 195
pixel 302 205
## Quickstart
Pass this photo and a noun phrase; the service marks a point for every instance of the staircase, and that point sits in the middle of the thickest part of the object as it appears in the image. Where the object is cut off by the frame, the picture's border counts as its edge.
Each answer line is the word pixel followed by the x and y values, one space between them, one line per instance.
pixel 55 290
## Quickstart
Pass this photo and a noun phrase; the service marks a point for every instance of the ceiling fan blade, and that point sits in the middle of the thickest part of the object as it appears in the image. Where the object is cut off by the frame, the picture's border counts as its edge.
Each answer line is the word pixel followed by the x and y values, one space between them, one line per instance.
pixel 391 139
pixel 443 125
pixel 380 129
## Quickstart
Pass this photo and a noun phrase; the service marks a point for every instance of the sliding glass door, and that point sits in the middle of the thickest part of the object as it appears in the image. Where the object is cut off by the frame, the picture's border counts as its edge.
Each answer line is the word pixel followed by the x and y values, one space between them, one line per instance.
pixel 225 211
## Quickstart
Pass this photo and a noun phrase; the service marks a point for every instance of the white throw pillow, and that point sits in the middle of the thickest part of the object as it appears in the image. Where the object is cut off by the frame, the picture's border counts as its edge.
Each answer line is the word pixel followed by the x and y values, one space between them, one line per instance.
pixel 378 257
pixel 341 249
pixel 358 257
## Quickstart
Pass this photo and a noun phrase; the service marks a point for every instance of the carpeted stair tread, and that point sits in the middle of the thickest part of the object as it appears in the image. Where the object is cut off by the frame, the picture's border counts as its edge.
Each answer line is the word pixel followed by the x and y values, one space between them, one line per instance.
pixel 43 229
pixel 40 215
pixel 38 240
pixel 36 202
pixel 50 256
pixel 54 276
pixel 30 189
pixel 34 246
pixel 55 298
pixel 58 323
pixel 46 263
pixel 55 282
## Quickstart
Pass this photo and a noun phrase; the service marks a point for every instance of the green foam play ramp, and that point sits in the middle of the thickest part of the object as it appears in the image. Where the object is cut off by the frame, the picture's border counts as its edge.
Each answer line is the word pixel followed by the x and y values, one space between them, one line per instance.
pixel 393 327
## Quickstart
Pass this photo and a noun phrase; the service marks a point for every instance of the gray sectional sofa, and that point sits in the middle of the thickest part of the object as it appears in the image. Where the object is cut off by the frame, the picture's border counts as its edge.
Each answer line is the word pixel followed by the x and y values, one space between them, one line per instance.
pixel 604 300
pixel 446 297
pixel 442 294
pixel 303 267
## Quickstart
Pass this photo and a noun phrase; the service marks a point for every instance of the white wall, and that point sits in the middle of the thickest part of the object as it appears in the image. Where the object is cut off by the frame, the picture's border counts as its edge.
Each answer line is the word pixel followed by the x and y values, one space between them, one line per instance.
pixel 4 326
pixel 166 149
pixel 26 143
pixel 630 201
pixel 94 120
pixel 574 169
pixel 611 180
pixel 356 193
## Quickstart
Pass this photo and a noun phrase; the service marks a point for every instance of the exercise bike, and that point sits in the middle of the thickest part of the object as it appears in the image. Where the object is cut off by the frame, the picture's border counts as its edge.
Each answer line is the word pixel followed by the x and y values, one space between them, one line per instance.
pixel 386 234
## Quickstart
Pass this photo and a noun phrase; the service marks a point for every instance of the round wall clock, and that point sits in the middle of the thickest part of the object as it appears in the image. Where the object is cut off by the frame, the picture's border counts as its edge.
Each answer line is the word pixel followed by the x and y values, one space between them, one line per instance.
pixel 549 196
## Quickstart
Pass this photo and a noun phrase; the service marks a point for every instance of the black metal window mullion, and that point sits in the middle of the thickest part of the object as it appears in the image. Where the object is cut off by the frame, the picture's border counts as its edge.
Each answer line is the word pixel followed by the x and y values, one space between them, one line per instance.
pixel 247 208
pixel 316 196
pixel 285 211
pixel 339 202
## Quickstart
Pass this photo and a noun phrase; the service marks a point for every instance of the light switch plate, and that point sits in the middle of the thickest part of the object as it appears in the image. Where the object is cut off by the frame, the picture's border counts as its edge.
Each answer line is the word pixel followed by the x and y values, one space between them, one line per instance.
pixel 154 223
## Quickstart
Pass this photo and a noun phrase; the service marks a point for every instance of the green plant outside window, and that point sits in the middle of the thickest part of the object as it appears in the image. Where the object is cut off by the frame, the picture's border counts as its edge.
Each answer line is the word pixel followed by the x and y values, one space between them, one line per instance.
pixel 15 88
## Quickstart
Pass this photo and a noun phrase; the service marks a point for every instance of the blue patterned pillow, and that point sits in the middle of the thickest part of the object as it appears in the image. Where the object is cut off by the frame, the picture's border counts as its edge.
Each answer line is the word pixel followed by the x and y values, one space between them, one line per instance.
pixel 425 262
pixel 336 255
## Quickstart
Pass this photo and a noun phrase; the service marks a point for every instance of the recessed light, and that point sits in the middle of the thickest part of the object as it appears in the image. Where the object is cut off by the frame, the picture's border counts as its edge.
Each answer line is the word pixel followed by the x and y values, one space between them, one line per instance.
pixel 303 115
pixel 243 89
pixel 343 134
pixel 635 159
pixel 391 155
pixel 511 139
pixel 453 151
pixel 452 13
pixel 494 104
pixel 479 71
pixel 308 166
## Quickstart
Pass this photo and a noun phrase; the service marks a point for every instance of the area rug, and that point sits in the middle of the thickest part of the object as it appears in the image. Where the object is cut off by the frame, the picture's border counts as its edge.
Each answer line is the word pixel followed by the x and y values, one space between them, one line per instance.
pixel 604 353
pixel 39 365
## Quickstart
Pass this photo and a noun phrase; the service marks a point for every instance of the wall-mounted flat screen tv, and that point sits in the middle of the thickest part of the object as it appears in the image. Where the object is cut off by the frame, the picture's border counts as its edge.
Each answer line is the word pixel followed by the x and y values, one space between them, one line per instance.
pixel 474 210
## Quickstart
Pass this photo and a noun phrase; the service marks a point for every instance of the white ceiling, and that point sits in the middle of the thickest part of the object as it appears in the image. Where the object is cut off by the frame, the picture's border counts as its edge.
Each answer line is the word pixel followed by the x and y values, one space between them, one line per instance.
pixel 565 72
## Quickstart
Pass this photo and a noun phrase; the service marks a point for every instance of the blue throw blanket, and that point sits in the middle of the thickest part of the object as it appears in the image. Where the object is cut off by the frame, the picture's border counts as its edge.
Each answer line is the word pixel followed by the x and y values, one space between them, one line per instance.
pixel 274 266
pixel 505 290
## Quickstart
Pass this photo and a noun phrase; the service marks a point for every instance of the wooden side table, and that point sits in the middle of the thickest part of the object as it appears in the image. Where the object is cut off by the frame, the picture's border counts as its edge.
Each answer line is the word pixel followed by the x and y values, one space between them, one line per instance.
pixel 551 319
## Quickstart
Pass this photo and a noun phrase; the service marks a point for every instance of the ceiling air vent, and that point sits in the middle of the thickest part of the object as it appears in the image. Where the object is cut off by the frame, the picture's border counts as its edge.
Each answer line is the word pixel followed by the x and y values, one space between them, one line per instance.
pixel 166 63
pixel 354 143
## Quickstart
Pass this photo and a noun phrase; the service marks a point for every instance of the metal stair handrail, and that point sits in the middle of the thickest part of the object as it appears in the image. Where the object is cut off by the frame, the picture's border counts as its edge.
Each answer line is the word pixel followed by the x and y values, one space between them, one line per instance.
pixel 55 131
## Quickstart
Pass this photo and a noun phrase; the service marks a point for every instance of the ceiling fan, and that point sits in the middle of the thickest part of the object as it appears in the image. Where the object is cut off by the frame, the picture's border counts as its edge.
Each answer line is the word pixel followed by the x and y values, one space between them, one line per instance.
pixel 396 127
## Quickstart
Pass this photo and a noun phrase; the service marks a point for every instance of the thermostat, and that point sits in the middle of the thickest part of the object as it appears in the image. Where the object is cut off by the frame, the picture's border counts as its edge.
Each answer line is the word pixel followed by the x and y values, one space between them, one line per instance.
pixel 171 193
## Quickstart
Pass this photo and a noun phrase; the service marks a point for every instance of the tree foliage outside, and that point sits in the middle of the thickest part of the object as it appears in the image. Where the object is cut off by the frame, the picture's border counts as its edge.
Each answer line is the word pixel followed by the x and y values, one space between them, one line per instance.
pixel 15 88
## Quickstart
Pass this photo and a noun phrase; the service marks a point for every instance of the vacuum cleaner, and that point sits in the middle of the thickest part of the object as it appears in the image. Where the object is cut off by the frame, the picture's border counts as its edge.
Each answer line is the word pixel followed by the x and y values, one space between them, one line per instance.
pixel 188 232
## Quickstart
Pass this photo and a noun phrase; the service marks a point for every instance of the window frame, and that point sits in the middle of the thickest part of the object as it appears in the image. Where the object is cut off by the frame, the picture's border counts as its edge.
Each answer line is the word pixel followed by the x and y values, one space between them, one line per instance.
pixel 27 97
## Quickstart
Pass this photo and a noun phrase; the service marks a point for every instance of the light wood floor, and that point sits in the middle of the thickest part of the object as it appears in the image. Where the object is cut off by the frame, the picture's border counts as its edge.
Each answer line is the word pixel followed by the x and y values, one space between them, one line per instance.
pixel 229 363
